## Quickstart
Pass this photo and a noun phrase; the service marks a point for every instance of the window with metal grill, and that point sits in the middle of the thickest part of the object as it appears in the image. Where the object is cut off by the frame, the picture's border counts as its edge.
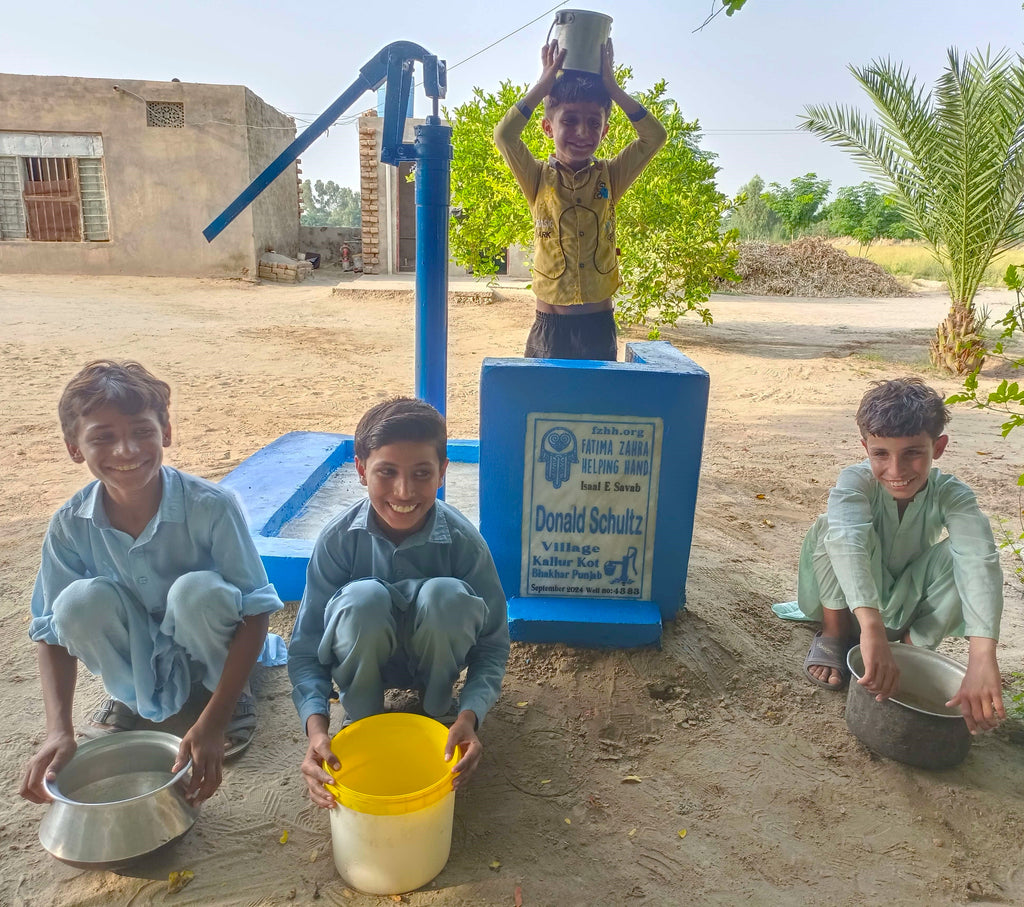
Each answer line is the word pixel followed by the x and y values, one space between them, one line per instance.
pixel 53 199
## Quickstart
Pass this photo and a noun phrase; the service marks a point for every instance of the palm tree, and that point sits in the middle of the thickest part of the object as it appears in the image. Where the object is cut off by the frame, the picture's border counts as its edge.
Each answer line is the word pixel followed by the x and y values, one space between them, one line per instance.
pixel 952 158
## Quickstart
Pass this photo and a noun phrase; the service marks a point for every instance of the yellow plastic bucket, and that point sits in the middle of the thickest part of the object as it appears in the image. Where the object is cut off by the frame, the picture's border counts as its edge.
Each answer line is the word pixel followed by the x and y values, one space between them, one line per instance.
pixel 392 828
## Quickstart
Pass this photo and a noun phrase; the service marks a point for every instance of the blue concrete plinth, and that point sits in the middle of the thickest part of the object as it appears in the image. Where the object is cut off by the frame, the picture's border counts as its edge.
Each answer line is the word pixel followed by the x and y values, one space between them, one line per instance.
pixel 584 622
pixel 588 489
pixel 274 485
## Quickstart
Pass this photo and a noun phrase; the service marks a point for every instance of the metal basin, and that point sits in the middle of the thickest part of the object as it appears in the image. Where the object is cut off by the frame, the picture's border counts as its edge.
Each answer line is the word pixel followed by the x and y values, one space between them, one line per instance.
pixel 914 726
pixel 117 800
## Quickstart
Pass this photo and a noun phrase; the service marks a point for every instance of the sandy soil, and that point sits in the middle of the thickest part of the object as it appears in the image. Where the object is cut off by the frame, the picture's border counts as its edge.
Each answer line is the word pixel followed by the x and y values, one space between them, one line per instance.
pixel 779 803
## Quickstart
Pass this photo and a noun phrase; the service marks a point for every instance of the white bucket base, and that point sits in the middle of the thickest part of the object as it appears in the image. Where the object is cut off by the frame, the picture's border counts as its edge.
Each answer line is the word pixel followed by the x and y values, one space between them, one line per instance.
pixel 392 854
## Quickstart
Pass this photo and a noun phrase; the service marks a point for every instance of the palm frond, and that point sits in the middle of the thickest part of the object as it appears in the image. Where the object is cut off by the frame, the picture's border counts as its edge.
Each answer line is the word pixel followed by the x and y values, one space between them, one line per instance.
pixel 952 157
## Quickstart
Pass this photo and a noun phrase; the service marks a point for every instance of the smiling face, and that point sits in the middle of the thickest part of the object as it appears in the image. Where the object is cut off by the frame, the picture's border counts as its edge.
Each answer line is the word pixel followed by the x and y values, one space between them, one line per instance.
pixel 124 451
pixel 577 128
pixel 902 465
pixel 402 480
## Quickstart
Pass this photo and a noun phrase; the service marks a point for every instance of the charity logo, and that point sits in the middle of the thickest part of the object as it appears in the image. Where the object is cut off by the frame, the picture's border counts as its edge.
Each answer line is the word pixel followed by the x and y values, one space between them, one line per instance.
pixel 558 453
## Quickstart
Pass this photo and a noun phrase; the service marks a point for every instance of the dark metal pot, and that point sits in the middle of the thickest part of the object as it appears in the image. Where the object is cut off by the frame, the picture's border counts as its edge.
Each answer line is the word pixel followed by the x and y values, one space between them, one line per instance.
pixel 915 726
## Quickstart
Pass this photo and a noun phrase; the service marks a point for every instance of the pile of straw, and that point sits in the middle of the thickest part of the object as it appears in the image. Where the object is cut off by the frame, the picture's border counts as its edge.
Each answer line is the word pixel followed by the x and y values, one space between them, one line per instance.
pixel 810 266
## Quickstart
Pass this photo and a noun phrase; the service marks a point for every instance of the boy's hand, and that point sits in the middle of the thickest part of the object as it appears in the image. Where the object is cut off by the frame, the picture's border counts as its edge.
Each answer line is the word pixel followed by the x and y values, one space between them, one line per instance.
pixel 318 752
pixel 551 60
pixel 881 673
pixel 980 697
pixel 53 755
pixel 608 68
pixel 463 734
pixel 204 745
pixel 629 105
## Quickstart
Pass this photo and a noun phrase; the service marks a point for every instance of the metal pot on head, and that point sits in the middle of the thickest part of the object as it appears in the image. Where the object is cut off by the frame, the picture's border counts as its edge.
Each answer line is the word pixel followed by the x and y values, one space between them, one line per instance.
pixel 581 33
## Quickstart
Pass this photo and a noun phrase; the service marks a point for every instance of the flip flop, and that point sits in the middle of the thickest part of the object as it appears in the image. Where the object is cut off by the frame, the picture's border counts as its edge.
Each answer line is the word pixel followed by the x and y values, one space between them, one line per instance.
pixel 241 728
pixel 827 652
pixel 109 717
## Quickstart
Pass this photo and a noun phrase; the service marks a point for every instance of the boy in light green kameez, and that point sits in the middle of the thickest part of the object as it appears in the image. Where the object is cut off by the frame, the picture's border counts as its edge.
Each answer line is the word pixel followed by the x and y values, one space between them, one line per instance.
pixel 878 563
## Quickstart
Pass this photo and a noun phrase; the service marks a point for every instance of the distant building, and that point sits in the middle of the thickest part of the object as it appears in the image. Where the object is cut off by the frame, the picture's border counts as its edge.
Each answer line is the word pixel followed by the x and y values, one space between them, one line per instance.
pixel 104 176
pixel 388 197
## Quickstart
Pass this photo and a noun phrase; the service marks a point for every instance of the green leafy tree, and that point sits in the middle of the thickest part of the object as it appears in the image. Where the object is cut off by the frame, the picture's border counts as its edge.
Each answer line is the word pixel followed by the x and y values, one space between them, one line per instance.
pixel 866 213
pixel 951 158
pixel 752 218
pixel 329 205
pixel 798 205
pixel 673 253
pixel 1008 400
pixel 489 213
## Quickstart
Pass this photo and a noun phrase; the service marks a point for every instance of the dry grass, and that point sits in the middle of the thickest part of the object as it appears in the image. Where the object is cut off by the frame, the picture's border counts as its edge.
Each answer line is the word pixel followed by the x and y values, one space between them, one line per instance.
pixel 915 261
pixel 811 266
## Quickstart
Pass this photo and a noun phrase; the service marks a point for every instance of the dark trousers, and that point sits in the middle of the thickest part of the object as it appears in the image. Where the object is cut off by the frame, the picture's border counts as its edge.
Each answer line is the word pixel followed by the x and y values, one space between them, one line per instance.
pixel 589 336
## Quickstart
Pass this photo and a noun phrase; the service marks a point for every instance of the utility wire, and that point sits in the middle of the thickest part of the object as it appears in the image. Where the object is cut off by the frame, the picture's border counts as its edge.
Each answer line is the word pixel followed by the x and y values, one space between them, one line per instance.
pixel 351 118
pixel 509 35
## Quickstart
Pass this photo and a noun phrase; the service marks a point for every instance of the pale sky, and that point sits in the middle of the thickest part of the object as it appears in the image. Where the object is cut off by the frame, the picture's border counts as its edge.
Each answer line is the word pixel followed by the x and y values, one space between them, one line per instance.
pixel 745 78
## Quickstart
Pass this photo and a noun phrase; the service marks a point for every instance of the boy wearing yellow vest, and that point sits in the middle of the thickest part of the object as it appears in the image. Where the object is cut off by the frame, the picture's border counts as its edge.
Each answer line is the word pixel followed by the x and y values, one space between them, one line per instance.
pixel 572 197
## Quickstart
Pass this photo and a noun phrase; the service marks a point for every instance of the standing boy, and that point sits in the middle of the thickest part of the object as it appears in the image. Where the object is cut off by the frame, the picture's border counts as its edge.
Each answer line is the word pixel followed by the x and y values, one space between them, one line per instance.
pixel 401 592
pixel 572 197
pixel 149 577
pixel 877 562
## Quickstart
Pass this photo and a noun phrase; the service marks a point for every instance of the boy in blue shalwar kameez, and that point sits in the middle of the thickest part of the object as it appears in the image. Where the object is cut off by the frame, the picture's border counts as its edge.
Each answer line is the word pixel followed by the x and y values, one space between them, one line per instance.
pixel 401 592
pixel 150 578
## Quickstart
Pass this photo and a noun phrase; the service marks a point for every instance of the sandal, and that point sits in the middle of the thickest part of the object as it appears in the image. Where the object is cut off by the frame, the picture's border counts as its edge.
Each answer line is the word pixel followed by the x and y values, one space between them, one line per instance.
pixel 827 652
pixel 109 717
pixel 241 728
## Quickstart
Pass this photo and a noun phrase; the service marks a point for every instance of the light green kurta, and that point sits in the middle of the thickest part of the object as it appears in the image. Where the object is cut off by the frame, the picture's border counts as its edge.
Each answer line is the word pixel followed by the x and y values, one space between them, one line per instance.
pixel 861 554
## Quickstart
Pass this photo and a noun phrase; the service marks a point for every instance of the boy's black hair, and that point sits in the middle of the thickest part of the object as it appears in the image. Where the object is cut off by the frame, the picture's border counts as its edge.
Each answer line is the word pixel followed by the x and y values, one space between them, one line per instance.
pixel 901 408
pixel 401 419
pixel 126 385
pixel 572 87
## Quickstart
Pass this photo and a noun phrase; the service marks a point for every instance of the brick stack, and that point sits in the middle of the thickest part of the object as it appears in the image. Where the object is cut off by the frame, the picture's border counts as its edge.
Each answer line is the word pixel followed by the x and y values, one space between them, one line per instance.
pixel 279 267
pixel 369 159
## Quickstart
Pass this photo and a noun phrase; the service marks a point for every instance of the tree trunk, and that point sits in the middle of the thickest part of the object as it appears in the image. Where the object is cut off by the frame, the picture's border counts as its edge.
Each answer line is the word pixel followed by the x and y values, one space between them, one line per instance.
pixel 957 346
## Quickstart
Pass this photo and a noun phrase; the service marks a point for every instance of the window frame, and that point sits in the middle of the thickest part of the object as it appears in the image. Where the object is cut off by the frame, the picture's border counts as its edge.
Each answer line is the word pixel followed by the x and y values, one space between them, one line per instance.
pixel 38 216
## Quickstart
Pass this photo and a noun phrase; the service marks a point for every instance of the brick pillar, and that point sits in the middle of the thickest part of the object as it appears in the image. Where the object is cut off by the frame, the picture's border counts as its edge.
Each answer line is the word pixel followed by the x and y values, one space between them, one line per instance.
pixel 369 159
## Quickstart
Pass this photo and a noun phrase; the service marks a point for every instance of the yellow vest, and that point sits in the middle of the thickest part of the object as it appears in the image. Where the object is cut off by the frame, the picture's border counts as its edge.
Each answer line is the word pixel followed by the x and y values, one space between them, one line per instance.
pixel 575 256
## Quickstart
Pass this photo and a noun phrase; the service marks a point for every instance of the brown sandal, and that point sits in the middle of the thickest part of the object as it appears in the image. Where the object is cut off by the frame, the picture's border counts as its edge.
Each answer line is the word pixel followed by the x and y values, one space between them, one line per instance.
pixel 241 728
pixel 827 652
pixel 109 717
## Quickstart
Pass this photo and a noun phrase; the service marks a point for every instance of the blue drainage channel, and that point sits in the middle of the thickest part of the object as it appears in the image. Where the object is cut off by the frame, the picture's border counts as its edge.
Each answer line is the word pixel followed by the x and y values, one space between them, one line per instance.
pixel 294 485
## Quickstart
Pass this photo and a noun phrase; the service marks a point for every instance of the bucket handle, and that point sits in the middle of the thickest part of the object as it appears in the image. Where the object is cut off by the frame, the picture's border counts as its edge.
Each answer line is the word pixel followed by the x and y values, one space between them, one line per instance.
pixel 562 17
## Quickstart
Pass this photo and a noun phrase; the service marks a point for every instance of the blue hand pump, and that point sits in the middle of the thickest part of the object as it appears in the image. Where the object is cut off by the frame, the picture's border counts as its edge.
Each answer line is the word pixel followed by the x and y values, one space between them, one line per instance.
pixel 432 154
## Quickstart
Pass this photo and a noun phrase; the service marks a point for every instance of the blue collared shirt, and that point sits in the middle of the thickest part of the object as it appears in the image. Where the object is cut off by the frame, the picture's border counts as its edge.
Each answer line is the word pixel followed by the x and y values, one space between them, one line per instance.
pixel 198 526
pixel 352 547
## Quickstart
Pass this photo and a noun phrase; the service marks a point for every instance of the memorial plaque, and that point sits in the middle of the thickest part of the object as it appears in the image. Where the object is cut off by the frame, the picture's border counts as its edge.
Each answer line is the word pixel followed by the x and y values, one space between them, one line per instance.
pixel 590 501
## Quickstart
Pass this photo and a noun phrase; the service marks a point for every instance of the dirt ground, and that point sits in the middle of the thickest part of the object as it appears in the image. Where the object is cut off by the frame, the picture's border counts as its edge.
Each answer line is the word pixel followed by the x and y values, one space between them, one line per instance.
pixel 595 762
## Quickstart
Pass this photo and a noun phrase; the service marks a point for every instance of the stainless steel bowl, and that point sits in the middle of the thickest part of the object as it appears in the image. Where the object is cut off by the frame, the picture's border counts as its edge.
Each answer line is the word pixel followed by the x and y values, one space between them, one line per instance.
pixel 117 800
pixel 915 726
